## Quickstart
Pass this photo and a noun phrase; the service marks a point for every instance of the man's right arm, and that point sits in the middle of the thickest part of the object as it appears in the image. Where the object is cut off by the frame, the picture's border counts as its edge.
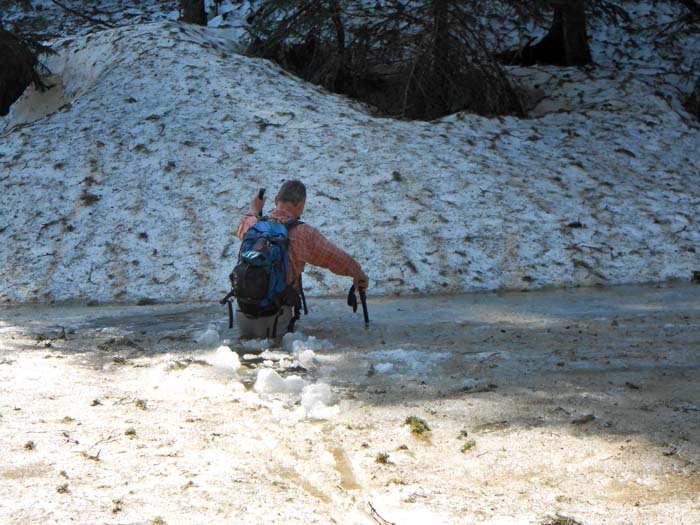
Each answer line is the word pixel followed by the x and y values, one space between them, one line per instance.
pixel 246 222
pixel 256 206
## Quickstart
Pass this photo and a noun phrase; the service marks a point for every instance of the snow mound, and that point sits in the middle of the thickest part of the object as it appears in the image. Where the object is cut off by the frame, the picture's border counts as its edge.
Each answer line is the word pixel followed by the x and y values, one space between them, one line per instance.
pixel 175 133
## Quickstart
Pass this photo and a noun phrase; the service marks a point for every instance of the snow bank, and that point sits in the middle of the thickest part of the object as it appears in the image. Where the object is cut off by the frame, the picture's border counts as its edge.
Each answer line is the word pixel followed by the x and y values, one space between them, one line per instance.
pixel 166 134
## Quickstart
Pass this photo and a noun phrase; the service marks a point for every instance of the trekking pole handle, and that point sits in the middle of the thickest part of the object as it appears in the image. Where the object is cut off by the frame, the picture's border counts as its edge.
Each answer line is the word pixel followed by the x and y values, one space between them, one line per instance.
pixel 261 195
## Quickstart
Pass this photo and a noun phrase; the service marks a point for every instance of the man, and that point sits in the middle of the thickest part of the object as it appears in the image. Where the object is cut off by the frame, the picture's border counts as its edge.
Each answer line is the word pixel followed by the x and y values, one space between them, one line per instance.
pixel 306 245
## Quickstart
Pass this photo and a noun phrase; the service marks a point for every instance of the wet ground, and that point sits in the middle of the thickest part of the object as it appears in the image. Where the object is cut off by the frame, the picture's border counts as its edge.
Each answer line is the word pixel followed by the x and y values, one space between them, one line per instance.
pixel 581 403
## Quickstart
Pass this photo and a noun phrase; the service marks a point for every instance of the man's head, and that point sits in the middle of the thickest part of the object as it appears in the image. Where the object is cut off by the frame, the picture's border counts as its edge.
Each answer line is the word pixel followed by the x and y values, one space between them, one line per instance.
pixel 292 197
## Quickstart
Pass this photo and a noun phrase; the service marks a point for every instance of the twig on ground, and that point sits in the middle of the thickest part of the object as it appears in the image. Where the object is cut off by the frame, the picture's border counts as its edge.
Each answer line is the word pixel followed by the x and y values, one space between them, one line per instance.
pixel 376 517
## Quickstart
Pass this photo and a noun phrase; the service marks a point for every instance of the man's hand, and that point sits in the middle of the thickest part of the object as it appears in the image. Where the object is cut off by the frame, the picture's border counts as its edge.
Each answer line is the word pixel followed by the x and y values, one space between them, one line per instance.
pixel 256 205
pixel 361 281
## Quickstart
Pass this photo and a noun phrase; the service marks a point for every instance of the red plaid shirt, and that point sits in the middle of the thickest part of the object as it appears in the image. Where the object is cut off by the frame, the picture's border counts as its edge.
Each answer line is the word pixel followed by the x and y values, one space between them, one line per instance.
pixel 306 245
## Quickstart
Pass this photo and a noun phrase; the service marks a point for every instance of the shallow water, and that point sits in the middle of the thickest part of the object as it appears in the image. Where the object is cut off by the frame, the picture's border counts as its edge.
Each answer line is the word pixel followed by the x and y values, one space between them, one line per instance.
pixel 394 317
pixel 414 337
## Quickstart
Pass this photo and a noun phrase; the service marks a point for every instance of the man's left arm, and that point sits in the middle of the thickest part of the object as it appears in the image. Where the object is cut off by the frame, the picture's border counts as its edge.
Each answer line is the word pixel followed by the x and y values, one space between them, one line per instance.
pixel 319 251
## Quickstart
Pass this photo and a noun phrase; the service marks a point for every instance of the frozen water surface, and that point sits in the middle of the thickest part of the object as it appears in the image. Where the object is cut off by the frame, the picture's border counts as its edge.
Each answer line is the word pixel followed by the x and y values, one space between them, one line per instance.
pixel 423 338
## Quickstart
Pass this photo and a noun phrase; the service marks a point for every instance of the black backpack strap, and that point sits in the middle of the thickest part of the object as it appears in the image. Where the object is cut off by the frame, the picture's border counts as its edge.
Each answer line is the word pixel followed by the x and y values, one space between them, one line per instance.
pixel 293 224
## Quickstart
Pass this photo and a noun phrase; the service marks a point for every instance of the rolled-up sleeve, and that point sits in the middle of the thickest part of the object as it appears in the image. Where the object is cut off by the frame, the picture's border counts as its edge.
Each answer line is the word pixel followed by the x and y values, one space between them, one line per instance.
pixel 315 249
pixel 246 222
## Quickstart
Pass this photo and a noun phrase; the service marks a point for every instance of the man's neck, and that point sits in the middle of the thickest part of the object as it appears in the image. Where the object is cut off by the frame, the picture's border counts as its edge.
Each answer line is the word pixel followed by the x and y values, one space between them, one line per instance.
pixel 292 209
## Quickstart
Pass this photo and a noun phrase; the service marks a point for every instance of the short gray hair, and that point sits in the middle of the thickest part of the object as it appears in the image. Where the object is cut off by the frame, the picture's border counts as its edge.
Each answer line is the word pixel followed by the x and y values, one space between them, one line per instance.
pixel 292 191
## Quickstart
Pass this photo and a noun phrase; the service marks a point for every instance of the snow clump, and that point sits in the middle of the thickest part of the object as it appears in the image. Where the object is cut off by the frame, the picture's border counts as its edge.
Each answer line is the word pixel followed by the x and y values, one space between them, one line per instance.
pixel 224 358
pixel 297 343
pixel 208 337
pixel 270 382
pixel 383 368
pixel 256 346
pixel 317 402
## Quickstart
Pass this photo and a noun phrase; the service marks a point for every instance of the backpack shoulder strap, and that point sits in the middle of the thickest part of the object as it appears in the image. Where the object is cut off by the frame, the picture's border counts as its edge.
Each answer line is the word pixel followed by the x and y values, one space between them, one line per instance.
pixel 293 223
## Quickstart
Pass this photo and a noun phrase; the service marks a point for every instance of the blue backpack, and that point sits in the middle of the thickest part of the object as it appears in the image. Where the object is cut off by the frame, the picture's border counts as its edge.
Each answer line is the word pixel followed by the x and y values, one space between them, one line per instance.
pixel 259 279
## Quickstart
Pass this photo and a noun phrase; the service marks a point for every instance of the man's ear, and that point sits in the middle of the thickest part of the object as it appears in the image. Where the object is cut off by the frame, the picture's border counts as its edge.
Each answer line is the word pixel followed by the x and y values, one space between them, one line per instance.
pixel 276 202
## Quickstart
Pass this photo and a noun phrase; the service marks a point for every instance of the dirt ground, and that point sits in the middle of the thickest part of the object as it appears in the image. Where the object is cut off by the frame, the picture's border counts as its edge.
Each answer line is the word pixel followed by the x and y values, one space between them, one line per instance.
pixel 553 407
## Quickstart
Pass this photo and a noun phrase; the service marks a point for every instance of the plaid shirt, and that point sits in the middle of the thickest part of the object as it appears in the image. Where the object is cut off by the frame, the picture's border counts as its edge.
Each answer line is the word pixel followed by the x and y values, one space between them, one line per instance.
pixel 306 245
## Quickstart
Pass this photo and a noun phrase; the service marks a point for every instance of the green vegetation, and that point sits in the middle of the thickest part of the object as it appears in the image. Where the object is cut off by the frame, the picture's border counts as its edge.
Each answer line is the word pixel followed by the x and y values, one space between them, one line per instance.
pixel 470 444
pixel 418 425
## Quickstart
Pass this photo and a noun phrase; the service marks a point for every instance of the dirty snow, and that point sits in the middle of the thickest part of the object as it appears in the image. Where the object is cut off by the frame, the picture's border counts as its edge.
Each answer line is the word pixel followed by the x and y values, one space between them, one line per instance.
pixel 163 133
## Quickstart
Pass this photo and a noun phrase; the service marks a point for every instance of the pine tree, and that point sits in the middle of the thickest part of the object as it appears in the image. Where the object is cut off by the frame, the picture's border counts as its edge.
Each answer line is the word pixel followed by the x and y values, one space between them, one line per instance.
pixel 418 59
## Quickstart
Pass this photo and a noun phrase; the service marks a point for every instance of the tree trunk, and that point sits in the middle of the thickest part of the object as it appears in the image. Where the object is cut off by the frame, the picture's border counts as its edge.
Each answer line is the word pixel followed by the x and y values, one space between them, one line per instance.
pixel 566 44
pixel 441 47
pixel 193 12
pixel 692 104
pixel 339 27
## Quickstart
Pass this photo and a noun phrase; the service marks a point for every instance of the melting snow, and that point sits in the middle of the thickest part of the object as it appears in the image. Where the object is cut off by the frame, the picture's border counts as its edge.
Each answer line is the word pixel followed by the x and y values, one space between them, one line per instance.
pixel 145 161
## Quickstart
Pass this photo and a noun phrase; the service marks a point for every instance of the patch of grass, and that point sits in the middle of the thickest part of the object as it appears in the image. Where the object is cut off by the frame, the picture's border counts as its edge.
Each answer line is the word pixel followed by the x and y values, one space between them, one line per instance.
pixel 382 458
pixel 418 425
pixel 30 445
pixel 68 419
pixel 63 488
pixel 470 444
pixel 141 404
pixel 131 432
